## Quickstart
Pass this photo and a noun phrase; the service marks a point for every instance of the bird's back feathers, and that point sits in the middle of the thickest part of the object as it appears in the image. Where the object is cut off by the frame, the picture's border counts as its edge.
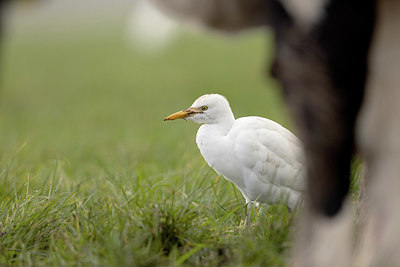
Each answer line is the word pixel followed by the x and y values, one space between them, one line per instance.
pixel 268 149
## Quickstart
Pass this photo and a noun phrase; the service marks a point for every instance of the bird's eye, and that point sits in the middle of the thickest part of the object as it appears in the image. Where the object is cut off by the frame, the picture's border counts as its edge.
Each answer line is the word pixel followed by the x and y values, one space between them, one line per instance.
pixel 204 108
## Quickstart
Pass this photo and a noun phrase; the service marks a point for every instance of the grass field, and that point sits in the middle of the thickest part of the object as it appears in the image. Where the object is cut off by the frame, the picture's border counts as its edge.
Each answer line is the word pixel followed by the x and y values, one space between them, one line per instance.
pixel 91 175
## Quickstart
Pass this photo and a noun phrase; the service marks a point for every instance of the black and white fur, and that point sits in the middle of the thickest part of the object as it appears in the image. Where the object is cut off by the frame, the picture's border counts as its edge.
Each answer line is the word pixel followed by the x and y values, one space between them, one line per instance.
pixel 339 65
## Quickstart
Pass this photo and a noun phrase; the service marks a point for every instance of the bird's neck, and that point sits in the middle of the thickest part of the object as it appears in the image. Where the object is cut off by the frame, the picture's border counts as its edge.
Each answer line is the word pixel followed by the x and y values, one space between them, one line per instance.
pixel 224 124
pixel 219 128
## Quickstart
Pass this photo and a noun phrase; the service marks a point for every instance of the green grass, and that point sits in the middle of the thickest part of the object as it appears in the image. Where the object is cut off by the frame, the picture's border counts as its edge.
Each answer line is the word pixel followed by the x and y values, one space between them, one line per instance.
pixel 91 175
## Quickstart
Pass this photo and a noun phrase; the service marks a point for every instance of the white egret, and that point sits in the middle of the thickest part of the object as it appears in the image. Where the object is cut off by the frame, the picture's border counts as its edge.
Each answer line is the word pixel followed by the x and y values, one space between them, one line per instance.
pixel 261 157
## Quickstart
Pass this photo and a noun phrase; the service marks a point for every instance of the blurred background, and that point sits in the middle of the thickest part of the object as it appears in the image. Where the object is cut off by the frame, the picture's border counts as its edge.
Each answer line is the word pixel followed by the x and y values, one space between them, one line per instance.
pixel 90 174
pixel 90 81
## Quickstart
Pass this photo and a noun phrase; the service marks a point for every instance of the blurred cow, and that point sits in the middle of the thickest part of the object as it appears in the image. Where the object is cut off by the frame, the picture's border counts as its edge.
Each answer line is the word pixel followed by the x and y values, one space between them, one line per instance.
pixel 339 65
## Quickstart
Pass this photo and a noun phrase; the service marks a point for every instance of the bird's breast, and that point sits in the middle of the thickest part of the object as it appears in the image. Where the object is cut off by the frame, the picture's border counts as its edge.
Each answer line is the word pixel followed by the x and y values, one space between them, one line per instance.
pixel 218 152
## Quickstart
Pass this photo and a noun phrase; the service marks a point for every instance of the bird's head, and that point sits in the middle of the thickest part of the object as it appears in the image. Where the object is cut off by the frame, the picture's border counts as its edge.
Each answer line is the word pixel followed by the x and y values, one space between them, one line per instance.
pixel 209 109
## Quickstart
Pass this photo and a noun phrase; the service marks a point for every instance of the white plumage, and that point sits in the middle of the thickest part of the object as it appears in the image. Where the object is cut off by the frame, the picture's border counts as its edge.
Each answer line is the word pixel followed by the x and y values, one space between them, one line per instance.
pixel 262 158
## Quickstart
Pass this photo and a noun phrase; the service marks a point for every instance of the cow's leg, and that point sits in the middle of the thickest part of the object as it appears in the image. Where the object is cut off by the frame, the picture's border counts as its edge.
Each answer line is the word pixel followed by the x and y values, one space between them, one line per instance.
pixel 323 70
pixel 379 135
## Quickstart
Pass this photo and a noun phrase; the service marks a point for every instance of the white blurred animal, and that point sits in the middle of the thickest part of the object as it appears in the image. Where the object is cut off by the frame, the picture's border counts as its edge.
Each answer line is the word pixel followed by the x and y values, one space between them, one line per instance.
pixel 149 29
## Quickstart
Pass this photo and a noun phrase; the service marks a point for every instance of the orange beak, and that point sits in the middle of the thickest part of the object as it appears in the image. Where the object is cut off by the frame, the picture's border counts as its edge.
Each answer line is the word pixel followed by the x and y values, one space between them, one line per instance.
pixel 182 114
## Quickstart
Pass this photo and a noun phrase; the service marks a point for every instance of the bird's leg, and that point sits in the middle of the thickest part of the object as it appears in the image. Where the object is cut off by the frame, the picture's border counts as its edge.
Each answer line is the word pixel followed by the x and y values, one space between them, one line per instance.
pixel 247 220
pixel 257 208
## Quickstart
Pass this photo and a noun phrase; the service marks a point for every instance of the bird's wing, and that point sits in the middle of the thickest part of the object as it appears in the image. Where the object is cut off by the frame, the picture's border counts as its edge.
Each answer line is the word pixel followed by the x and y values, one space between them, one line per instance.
pixel 270 151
